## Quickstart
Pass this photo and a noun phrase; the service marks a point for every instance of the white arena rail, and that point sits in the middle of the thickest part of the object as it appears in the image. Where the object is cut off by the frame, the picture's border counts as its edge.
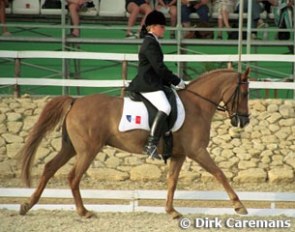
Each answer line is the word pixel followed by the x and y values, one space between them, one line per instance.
pixel 133 197
pixel 134 57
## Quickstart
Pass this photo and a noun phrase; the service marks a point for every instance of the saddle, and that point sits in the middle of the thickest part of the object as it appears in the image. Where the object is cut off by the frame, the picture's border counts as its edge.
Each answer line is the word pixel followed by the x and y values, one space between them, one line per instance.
pixel 152 111
pixel 171 119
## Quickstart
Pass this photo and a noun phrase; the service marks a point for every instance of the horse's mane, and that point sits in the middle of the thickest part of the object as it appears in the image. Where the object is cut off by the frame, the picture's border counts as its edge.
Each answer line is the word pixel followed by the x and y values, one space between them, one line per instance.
pixel 205 75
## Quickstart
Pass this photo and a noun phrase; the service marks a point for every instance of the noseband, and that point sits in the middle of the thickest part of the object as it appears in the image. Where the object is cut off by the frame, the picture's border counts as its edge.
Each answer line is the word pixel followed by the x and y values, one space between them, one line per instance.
pixel 234 98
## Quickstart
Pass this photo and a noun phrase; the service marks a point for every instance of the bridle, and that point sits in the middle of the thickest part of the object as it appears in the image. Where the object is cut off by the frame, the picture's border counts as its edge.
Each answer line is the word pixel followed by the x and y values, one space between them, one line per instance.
pixel 234 98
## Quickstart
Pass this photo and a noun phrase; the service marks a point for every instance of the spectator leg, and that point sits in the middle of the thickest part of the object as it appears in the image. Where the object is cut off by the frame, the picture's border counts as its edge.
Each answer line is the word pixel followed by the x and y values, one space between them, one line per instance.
pixel 173 19
pixel 220 25
pixel 185 19
pixel 145 9
pixel 203 13
pixel 133 10
pixel 74 12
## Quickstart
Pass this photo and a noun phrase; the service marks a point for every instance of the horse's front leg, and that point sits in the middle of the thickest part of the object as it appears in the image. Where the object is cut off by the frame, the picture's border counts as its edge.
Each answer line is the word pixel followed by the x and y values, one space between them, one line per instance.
pixel 204 159
pixel 173 173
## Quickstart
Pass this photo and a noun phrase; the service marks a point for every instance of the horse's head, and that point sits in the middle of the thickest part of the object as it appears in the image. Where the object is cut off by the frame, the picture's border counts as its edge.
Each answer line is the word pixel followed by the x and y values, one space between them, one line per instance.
pixel 236 102
pixel 233 92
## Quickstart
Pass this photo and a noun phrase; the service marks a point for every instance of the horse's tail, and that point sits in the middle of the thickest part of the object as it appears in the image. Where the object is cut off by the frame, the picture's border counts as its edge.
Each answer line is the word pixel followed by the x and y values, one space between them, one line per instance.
pixel 53 113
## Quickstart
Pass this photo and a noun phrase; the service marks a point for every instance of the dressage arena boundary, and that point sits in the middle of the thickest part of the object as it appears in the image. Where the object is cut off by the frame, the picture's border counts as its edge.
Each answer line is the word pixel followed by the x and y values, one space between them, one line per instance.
pixel 134 196
pixel 18 55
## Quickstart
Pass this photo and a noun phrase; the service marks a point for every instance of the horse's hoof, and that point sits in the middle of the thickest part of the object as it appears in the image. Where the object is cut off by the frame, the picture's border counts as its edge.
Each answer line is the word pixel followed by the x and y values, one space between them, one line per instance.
pixel 242 211
pixel 174 214
pixel 90 215
pixel 24 208
pixel 86 214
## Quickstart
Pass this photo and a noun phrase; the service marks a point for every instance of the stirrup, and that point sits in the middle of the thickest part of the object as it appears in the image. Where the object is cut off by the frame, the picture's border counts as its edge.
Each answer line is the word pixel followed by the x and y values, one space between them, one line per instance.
pixel 151 151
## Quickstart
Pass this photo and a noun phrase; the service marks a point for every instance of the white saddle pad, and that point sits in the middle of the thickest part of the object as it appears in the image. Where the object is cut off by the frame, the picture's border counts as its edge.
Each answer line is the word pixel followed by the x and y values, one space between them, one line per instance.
pixel 135 116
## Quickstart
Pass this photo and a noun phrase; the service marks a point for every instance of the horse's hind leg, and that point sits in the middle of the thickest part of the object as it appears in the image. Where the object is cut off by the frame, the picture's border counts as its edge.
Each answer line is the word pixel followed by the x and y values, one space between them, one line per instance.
pixel 204 159
pixel 83 162
pixel 173 173
pixel 67 151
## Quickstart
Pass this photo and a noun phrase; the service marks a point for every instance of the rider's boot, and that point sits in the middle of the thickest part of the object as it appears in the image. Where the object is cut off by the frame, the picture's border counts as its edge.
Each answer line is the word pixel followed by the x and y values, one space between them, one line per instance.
pixel 155 134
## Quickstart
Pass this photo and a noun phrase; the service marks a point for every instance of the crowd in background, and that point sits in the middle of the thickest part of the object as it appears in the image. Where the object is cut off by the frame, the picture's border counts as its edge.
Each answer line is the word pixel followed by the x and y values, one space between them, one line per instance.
pixel 202 7
pixel 282 10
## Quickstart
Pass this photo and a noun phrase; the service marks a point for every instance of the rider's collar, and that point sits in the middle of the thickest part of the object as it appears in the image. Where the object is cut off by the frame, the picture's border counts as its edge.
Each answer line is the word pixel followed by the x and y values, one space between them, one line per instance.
pixel 152 34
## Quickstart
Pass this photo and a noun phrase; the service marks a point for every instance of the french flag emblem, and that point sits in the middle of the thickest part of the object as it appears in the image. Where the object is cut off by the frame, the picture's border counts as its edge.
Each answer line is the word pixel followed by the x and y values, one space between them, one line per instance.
pixel 134 119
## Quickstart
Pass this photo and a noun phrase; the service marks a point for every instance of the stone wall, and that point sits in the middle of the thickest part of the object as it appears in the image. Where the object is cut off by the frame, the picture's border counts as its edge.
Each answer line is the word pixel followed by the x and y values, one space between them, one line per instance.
pixel 262 152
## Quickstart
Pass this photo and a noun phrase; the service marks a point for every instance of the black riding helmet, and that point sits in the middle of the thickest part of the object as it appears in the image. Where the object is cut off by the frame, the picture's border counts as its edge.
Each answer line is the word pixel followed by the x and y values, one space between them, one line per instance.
pixel 153 18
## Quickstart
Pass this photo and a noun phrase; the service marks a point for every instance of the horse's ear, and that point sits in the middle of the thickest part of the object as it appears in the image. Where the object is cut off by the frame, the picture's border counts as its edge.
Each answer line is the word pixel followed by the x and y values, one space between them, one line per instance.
pixel 246 73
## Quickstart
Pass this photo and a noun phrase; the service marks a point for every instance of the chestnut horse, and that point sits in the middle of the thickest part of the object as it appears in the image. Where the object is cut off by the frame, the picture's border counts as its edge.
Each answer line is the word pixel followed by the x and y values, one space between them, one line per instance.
pixel 91 122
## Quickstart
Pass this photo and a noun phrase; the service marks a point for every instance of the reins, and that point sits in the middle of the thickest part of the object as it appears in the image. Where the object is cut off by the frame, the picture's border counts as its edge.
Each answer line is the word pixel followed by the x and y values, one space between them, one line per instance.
pixel 234 96
pixel 218 106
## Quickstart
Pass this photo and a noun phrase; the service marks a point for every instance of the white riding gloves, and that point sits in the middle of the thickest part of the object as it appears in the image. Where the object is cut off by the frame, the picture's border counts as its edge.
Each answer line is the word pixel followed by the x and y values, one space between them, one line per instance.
pixel 181 85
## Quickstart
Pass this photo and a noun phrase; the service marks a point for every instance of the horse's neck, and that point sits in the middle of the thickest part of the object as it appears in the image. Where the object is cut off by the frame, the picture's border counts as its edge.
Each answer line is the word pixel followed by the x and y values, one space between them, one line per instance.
pixel 209 88
pixel 207 92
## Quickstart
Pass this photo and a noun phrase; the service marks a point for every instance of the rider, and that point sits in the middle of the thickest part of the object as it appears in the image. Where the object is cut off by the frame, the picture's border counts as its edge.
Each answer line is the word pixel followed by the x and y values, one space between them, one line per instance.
pixel 152 76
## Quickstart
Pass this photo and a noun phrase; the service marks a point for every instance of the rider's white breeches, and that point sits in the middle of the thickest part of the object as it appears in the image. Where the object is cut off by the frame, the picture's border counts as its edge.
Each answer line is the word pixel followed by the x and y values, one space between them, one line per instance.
pixel 159 100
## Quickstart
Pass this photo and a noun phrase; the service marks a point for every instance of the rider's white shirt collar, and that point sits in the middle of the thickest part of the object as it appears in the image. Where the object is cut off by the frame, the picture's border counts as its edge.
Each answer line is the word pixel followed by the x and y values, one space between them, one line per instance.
pixel 155 37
